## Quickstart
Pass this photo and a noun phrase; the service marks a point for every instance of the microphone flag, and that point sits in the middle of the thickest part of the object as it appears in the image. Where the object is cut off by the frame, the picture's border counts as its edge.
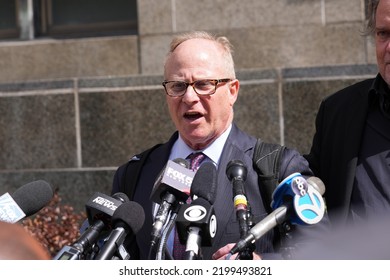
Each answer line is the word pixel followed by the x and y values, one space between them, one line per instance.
pixel 308 203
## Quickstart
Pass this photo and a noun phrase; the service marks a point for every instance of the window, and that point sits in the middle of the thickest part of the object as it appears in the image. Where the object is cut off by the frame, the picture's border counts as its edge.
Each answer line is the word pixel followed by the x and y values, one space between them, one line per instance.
pixel 88 17
pixel 69 18
pixel 8 19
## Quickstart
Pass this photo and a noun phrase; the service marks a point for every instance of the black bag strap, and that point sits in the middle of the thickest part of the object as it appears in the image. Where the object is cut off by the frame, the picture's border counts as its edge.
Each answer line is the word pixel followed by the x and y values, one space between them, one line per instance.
pixel 132 170
pixel 266 159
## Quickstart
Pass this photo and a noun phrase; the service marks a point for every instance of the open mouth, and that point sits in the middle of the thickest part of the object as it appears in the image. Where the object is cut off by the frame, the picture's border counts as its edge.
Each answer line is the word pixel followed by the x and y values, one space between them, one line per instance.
pixel 192 115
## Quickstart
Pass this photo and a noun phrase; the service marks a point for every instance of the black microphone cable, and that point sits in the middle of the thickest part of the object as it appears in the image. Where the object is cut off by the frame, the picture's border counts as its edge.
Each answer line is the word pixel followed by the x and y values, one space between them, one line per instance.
pixel 168 229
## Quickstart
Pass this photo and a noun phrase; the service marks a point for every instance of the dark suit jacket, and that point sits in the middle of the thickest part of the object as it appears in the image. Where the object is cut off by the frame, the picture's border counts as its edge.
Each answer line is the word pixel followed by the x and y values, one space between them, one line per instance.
pixel 239 146
pixel 334 153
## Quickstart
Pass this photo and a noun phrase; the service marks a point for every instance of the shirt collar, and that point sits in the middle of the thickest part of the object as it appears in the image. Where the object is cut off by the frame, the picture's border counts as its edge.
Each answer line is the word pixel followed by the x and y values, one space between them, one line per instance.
pixel 378 91
pixel 379 86
pixel 213 151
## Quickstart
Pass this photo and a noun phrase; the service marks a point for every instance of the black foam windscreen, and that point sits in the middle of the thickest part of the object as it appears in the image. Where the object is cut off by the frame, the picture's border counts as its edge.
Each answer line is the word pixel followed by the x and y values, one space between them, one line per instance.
pixel 33 196
pixel 204 184
pixel 131 214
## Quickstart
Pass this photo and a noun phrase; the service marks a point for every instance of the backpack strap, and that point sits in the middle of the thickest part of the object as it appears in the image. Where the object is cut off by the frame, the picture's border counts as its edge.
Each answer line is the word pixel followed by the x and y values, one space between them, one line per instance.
pixel 266 159
pixel 132 170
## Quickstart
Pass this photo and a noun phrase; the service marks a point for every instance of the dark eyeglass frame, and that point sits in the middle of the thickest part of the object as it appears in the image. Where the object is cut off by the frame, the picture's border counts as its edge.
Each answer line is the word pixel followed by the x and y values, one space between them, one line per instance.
pixel 216 81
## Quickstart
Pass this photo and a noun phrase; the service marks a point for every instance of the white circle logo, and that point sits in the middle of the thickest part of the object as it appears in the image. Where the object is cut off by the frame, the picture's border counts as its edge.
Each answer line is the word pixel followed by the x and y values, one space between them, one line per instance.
pixel 195 213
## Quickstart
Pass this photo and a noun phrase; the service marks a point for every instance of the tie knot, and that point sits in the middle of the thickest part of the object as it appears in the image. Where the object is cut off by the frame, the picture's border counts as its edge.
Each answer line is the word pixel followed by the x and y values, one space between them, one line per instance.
pixel 195 160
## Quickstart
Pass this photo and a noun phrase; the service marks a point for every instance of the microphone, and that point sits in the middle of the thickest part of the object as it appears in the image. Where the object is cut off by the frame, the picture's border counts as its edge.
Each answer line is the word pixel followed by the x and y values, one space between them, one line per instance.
pixel 25 201
pixel 196 222
pixel 127 219
pixel 100 208
pixel 236 171
pixel 171 187
pixel 175 178
pixel 306 197
pixel 295 199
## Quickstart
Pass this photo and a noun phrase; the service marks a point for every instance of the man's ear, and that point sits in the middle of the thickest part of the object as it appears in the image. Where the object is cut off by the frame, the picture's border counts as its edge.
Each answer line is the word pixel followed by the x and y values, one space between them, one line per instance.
pixel 234 87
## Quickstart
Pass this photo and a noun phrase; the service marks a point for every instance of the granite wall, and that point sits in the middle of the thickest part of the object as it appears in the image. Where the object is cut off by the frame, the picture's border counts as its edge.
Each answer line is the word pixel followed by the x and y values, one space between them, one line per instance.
pixel 75 133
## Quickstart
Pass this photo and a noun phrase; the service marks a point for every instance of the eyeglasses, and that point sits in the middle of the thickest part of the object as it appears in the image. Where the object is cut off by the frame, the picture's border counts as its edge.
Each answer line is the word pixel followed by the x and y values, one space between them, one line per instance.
pixel 201 87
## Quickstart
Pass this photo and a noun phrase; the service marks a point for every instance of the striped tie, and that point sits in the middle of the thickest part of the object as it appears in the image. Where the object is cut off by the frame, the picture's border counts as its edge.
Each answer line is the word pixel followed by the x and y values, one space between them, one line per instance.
pixel 195 160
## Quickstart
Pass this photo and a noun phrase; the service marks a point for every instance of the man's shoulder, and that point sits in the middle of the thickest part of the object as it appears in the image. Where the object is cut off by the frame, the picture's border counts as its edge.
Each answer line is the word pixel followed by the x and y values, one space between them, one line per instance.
pixel 157 150
pixel 360 88
pixel 240 136
pixel 150 162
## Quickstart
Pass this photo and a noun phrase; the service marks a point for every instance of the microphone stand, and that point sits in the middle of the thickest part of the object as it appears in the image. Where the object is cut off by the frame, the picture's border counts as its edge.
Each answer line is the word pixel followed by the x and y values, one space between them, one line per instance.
pixel 247 253
pixel 193 245
pixel 160 255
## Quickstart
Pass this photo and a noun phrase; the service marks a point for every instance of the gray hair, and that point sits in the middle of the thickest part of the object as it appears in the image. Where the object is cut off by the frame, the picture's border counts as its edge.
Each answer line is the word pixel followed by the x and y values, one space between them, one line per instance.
pixel 371 20
pixel 221 41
